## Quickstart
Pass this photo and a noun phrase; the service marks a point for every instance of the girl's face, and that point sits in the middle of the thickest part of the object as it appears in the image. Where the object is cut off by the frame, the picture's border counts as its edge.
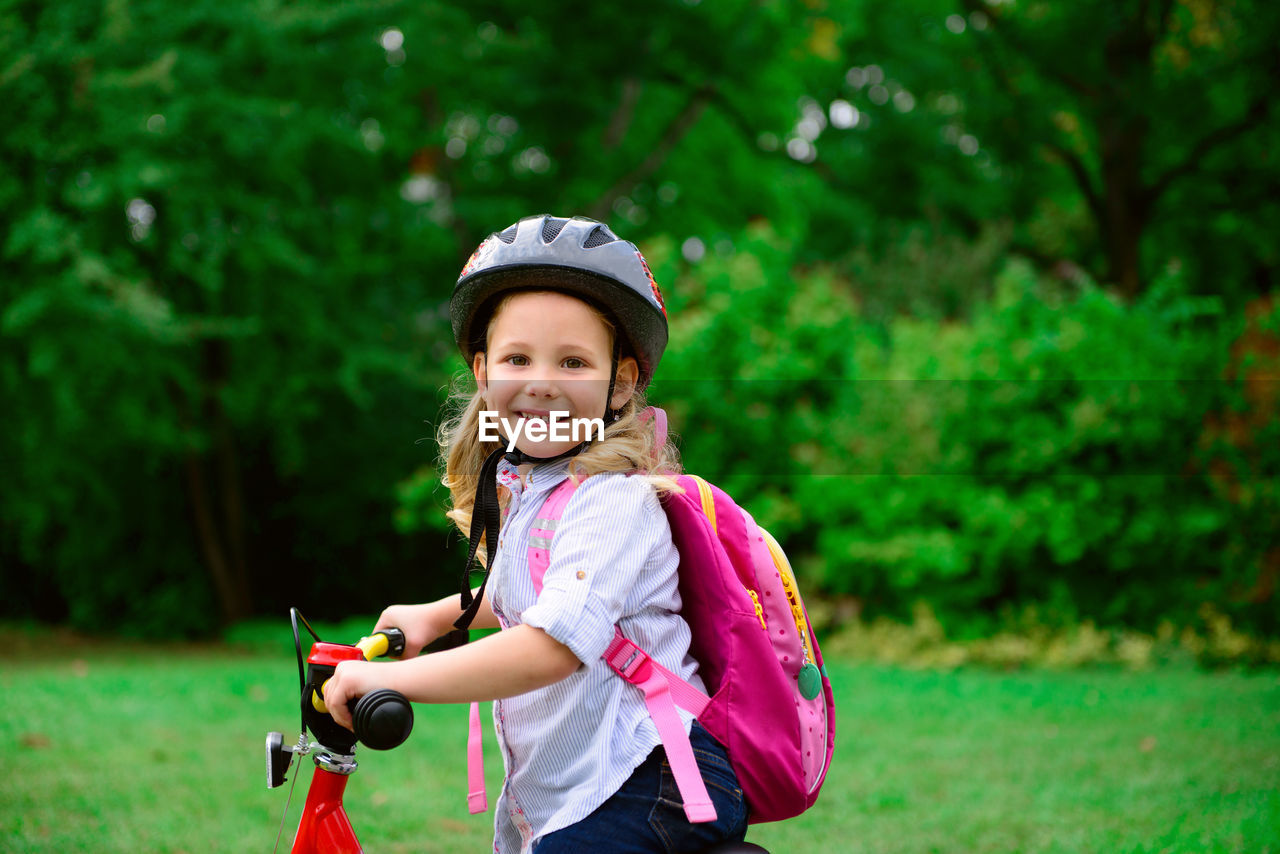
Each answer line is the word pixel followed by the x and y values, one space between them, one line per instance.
pixel 549 352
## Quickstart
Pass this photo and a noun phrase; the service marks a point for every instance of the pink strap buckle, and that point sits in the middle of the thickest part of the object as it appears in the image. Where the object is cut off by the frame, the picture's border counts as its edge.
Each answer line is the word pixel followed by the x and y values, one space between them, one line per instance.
pixel 628 660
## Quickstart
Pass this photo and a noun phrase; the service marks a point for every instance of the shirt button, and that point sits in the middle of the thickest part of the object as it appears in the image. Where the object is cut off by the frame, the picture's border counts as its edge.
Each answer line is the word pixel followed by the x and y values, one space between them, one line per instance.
pixel 581 574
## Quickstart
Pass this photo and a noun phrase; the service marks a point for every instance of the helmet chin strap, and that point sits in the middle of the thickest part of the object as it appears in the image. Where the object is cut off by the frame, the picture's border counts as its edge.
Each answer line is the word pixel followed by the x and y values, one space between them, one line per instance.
pixel 610 414
pixel 486 515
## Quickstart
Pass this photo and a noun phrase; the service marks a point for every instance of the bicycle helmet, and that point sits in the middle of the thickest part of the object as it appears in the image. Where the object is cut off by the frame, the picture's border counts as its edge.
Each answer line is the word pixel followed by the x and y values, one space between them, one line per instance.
pixel 578 256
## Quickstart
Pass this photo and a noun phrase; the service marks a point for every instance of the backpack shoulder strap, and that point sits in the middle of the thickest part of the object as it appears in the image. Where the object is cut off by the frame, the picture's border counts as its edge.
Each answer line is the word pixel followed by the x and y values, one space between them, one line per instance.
pixel 477 798
pixel 663 690
pixel 544 529
pixel 659 417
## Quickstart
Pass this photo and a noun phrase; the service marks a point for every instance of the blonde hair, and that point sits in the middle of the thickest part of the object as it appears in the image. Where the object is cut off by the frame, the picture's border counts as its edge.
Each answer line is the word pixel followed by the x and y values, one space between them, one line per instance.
pixel 629 445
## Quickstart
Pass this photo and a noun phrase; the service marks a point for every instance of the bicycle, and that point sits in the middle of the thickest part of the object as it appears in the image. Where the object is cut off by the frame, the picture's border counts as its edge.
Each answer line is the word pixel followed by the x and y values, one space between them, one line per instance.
pixel 383 720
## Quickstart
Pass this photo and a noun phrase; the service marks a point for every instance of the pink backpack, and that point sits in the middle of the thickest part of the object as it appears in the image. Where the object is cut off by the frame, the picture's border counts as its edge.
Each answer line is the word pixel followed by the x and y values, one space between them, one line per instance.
pixel 770 705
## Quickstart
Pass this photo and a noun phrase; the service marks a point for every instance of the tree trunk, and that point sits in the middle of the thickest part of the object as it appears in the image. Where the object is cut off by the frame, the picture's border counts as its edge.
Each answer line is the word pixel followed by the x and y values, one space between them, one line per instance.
pixel 233 599
pixel 217 508
pixel 1124 210
pixel 1122 130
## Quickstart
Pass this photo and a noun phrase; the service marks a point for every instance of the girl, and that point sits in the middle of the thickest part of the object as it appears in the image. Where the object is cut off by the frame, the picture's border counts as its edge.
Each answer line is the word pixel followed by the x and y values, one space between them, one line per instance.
pixel 561 316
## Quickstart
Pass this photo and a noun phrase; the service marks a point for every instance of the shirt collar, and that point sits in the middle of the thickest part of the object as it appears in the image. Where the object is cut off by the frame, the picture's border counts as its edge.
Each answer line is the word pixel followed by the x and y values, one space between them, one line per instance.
pixel 539 479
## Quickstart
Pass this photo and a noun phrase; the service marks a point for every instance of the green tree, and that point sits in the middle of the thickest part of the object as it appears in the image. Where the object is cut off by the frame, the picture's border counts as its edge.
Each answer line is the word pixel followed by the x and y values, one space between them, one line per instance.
pixel 231 231
pixel 1168 93
pixel 201 270
pixel 1116 136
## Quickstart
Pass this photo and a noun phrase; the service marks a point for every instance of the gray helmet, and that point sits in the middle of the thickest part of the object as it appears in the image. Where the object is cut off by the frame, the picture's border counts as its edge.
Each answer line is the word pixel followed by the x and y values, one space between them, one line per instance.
pixel 577 256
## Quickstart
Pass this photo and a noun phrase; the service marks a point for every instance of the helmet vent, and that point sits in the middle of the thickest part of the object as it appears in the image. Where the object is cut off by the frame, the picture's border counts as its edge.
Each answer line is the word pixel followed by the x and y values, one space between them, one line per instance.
pixel 509 235
pixel 599 236
pixel 551 228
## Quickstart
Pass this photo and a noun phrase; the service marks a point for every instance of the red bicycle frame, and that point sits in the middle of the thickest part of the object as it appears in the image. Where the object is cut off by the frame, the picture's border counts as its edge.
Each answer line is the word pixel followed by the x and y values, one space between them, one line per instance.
pixel 324 825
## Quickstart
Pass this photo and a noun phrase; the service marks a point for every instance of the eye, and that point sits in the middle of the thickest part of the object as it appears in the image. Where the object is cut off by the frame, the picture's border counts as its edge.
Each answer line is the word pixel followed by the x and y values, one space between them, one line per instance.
pixel 517 360
pixel 574 363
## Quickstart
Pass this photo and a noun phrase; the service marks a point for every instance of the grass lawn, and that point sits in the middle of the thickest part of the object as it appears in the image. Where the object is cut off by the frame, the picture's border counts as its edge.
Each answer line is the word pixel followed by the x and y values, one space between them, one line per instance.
pixel 112 747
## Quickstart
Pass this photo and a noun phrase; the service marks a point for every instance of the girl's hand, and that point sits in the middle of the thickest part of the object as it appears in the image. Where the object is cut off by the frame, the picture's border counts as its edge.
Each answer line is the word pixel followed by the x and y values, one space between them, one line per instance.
pixel 350 681
pixel 424 623
pixel 418 622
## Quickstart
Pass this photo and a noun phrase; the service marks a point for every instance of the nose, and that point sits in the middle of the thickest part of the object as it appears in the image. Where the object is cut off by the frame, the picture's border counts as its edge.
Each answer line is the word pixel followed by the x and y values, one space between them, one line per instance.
pixel 541 387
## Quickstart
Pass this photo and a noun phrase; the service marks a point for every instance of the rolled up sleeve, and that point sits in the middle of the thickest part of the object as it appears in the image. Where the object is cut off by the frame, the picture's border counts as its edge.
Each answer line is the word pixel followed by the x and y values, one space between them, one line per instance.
pixel 599 555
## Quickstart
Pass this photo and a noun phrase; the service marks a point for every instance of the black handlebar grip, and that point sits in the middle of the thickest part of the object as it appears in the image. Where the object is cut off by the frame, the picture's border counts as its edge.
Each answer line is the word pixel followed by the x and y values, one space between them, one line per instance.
pixel 395 642
pixel 382 719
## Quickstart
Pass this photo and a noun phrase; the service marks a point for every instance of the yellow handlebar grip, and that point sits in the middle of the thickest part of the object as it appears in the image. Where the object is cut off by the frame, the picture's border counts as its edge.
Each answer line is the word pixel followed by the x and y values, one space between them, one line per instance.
pixel 317 702
pixel 373 646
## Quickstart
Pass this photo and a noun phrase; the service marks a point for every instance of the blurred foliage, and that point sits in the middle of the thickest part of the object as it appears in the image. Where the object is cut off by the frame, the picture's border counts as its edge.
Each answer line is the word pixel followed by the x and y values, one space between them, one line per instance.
pixel 1025 641
pixel 1114 135
pixel 1059 448
pixel 230 231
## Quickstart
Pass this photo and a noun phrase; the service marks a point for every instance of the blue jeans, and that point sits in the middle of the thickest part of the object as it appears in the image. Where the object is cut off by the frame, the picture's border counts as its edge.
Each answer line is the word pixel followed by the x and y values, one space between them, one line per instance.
pixel 646 815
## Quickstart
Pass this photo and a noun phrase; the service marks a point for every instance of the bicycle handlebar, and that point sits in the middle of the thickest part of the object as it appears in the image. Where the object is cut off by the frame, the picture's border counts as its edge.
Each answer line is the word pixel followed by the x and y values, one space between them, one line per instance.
pixel 388 642
pixel 382 719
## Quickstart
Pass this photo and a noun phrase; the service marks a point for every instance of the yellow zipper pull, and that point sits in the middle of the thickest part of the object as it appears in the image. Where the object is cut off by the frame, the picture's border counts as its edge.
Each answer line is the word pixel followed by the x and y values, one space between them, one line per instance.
pixel 755 597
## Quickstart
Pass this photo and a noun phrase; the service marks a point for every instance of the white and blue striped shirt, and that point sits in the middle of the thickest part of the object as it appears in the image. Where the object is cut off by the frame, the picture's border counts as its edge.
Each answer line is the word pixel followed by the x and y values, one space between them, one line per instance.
pixel 571 745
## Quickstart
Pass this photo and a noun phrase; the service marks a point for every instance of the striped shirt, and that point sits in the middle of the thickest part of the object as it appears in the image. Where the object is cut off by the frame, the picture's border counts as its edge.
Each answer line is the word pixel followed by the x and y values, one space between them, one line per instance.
pixel 571 745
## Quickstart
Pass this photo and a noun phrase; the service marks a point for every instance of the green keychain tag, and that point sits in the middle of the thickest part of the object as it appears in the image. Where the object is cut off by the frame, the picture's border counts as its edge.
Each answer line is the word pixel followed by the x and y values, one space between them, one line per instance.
pixel 810 681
